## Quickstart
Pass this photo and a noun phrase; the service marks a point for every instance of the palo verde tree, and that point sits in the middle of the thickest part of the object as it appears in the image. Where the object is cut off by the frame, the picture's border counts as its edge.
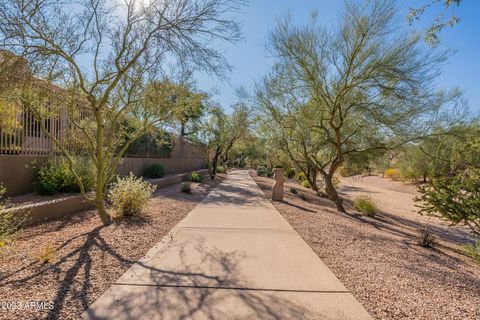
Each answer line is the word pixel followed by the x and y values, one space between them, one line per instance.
pixel 179 99
pixel 453 192
pixel 107 52
pixel 285 131
pixel 218 133
pixel 446 16
pixel 248 150
pixel 364 85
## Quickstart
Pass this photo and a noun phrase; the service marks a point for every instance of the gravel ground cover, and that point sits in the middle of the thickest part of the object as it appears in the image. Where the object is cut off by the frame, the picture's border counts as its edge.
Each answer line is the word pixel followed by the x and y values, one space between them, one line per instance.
pixel 87 256
pixel 379 259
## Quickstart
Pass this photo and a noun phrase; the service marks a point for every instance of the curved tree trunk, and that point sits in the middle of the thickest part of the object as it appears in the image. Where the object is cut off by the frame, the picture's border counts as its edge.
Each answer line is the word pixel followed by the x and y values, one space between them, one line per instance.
pixel 333 194
pixel 102 210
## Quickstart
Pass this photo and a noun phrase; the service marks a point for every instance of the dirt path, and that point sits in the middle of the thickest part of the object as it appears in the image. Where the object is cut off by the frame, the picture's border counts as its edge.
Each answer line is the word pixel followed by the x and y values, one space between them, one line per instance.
pixel 395 198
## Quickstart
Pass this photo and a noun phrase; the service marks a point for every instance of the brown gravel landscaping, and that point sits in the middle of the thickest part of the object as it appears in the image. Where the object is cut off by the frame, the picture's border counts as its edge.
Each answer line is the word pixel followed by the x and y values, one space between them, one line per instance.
pixel 87 256
pixel 379 259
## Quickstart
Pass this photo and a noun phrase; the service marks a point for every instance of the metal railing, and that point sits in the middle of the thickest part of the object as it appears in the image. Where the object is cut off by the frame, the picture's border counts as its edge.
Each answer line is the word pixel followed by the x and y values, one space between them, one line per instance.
pixel 21 132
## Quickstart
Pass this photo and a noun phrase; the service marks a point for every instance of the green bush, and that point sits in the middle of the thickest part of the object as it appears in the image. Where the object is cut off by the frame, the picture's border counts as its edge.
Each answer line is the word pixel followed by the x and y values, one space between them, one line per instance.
pixel 453 198
pixel 290 173
pixel 301 177
pixel 269 173
pixel 196 177
pixel 186 187
pixel 261 171
pixel 154 171
pixel 130 195
pixel 45 188
pixel 221 169
pixel 473 251
pixel 55 176
pixel 306 184
pixel 366 205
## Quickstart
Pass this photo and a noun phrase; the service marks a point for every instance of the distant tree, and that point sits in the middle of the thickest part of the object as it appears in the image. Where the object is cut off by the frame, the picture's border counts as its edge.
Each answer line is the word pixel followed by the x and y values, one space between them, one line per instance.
pixel 361 87
pixel 237 125
pixel 247 150
pixel 415 162
pixel 289 133
pixel 180 101
pixel 361 163
pixel 445 18
pixel 106 53
pixel 217 134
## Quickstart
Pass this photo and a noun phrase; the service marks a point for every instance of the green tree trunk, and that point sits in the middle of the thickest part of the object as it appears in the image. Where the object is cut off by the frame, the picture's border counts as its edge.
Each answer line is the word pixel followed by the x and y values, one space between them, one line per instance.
pixel 100 181
pixel 333 194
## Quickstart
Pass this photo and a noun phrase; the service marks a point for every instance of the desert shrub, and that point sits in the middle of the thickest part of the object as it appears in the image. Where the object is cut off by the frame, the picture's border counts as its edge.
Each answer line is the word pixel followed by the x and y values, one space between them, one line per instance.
pixel 301 177
pixel 293 190
pixel 130 195
pixel 196 177
pixel 261 171
pixel 426 238
pixel 269 173
pixel 11 221
pixel 55 176
pixel 186 187
pixel 455 199
pixel 221 169
pixel 305 183
pixel 290 173
pixel 473 251
pixel 46 254
pixel 154 171
pixel 393 174
pixel 304 197
pixel 366 205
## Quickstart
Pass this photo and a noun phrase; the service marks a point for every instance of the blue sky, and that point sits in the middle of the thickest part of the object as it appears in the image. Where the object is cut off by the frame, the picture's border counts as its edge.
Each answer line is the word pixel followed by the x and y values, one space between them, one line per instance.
pixel 251 61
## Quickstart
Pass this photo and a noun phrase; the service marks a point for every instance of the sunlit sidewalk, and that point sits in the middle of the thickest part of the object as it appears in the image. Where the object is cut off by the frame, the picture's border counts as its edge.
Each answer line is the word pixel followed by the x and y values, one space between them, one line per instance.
pixel 232 257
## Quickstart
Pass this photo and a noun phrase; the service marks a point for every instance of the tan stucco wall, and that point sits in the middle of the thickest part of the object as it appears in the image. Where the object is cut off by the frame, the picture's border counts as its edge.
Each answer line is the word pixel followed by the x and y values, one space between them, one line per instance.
pixel 54 209
pixel 16 171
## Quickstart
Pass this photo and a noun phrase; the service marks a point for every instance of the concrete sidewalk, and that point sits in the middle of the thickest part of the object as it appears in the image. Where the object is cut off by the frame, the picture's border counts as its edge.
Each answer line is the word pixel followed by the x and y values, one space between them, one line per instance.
pixel 232 257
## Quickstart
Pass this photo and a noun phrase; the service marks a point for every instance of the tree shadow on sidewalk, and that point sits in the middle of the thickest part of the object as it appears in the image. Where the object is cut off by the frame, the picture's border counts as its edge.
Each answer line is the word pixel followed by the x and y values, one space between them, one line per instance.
pixel 209 286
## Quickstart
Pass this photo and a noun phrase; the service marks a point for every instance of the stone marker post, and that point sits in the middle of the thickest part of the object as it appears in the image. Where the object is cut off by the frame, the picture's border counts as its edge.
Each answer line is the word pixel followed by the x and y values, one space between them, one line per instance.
pixel 277 189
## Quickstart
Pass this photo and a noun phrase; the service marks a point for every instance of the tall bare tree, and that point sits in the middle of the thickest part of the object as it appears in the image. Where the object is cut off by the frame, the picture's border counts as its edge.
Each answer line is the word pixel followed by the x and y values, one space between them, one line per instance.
pixel 106 51
pixel 364 85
